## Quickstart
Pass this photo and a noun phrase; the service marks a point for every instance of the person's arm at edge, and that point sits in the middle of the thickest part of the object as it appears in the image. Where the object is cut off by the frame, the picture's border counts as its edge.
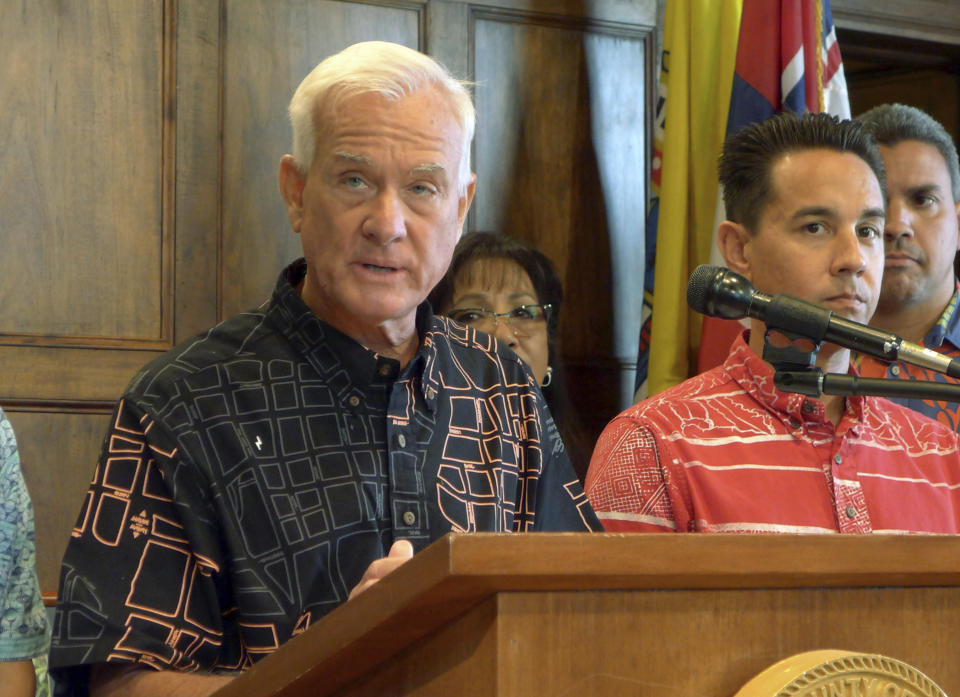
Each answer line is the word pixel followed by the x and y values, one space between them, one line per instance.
pixel 122 679
pixel 18 678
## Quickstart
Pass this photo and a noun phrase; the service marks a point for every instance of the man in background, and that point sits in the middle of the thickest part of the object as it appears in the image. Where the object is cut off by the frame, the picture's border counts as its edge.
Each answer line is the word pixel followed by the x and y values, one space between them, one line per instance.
pixel 726 451
pixel 258 475
pixel 918 298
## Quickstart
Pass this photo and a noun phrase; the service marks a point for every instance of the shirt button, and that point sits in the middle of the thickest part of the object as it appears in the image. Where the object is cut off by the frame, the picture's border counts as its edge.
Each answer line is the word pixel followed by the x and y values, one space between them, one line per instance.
pixel 851 512
pixel 794 423
pixel 354 401
pixel 409 517
pixel 838 460
pixel 807 407
pixel 384 370
pixel 402 440
pixel 895 370
pixel 431 393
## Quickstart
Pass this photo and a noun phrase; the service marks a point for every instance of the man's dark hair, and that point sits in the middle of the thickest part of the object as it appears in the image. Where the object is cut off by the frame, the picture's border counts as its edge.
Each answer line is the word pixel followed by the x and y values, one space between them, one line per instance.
pixel 890 124
pixel 750 154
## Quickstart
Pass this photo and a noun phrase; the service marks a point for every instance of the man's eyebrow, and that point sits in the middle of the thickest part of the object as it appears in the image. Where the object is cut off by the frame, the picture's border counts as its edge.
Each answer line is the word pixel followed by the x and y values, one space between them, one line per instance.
pixel 924 189
pixel 425 168
pixel 827 212
pixel 428 168
pixel 352 157
pixel 811 211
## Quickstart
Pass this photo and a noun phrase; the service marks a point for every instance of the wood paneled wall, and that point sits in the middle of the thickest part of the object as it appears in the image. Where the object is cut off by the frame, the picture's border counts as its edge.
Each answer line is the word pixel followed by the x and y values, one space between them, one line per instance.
pixel 87 263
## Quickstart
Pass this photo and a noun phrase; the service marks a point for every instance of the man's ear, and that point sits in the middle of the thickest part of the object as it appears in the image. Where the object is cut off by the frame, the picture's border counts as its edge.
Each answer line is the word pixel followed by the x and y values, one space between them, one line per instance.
pixel 957 206
pixel 463 205
pixel 292 182
pixel 733 241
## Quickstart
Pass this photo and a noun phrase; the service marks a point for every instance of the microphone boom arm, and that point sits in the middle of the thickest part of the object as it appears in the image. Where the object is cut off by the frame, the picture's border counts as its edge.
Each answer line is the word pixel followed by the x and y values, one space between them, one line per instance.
pixel 814 382
pixel 720 292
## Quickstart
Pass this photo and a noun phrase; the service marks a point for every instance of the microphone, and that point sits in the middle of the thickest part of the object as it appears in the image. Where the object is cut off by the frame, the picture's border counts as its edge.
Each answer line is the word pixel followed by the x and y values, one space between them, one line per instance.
pixel 719 292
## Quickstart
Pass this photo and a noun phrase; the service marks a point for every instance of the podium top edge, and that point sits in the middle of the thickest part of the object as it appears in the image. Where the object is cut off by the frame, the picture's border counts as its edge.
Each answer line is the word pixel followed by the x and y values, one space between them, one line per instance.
pixel 756 559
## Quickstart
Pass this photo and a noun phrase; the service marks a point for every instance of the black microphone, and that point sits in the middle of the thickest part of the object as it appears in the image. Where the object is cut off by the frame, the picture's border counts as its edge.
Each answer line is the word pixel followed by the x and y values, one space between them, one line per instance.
pixel 719 292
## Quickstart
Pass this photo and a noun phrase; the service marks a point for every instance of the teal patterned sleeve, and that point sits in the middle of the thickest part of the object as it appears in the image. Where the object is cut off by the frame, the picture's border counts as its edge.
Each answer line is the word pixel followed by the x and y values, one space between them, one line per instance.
pixel 24 633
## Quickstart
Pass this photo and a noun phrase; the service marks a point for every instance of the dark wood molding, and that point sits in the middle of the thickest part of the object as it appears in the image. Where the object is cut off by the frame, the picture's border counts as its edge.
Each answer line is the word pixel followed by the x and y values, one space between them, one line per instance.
pixel 168 175
pixel 928 20
pixel 57 406
pixel 86 342
pixel 581 23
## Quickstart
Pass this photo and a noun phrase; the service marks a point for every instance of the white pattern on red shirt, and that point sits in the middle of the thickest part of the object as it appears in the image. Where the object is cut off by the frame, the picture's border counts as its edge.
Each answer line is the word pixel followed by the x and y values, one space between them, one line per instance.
pixel 727 452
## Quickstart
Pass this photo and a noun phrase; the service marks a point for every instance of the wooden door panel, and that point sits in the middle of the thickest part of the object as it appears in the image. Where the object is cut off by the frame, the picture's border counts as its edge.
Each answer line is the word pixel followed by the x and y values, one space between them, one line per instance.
pixel 81 188
pixel 197 176
pixel 86 212
pixel 44 375
pixel 561 161
pixel 540 166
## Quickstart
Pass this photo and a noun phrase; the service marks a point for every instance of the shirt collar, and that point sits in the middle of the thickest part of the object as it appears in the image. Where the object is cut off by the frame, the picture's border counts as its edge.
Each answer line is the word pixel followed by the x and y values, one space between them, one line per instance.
pixel 948 326
pixel 322 343
pixel 755 377
pixel 431 330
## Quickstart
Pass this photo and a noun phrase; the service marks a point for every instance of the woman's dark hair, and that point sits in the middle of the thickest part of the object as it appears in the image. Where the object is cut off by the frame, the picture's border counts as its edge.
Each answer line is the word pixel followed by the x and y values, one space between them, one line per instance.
pixel 479 246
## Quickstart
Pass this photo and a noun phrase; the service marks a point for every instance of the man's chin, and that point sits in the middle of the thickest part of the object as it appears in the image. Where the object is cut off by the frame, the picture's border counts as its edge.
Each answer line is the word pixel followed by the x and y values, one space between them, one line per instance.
pixel 898 291
pixel 861 317
pixel 857 312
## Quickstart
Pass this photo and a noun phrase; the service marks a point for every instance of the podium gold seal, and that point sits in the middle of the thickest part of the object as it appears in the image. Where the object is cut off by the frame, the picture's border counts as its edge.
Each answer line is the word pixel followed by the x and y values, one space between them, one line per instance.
pixel 840 674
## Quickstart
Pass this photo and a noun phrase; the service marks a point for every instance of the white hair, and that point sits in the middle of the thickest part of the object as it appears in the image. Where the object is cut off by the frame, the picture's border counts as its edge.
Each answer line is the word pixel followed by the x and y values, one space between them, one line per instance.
pixel 388 69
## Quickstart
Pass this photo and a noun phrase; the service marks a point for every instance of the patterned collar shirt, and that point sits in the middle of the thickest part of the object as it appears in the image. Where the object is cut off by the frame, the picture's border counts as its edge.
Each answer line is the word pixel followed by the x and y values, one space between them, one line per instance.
pixel 943 337
pixel 727 452
pixel 24 633
pixel 251 475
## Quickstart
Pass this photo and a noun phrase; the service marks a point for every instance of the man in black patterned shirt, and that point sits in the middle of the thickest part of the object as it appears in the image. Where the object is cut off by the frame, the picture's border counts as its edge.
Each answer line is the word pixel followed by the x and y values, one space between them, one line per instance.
pixel 257 475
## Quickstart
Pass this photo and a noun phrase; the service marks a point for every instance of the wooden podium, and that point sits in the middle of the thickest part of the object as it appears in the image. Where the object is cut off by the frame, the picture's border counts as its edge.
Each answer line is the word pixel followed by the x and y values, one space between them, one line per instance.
pixel 641 615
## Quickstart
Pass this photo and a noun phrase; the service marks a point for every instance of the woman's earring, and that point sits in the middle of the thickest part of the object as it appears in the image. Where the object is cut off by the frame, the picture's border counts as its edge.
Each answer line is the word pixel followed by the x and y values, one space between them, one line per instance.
pixel 548 378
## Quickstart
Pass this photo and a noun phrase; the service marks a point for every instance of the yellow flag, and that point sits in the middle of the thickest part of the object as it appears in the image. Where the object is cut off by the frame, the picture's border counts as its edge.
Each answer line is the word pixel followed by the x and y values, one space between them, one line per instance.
pixel 699 56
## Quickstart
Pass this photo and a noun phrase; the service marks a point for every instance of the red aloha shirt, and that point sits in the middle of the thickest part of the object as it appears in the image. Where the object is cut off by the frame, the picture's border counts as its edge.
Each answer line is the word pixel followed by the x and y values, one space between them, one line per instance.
pixel 727 452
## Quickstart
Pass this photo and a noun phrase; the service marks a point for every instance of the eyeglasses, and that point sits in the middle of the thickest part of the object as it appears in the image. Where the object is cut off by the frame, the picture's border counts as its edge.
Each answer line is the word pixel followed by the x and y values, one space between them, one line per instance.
pixel 524 320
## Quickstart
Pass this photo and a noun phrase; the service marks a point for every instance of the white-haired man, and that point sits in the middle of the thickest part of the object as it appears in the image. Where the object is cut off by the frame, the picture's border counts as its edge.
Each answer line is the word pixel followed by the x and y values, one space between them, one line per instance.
pixel 259 474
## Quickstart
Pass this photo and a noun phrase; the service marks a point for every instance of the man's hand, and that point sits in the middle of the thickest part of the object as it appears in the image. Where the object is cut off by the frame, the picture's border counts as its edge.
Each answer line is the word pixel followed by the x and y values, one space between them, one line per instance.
pixel 124 679
pixel 400 552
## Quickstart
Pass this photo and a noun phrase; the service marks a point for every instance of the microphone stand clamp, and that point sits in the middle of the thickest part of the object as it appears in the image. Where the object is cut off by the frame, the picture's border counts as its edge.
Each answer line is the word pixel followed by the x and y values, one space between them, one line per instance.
pixel 795 371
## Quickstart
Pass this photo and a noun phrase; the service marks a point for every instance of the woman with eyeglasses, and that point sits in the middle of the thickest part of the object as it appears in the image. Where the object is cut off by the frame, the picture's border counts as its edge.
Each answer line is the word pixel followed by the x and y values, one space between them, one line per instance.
pixel 500 286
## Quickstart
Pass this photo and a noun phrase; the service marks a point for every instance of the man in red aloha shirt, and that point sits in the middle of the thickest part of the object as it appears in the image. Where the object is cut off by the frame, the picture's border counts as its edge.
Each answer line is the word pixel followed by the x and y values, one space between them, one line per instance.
pixel 728 452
